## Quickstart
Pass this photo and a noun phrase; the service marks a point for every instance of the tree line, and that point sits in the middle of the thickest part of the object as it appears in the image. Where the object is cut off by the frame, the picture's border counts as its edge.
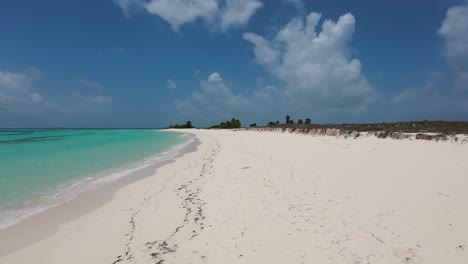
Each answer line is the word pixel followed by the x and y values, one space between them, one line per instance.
pixel 188 124
pixel 233 123
pixel 288 121
pixel 236 123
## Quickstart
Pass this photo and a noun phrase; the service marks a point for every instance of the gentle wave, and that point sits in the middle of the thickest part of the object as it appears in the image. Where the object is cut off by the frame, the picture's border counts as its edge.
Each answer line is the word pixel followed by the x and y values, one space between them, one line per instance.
pixel 67 191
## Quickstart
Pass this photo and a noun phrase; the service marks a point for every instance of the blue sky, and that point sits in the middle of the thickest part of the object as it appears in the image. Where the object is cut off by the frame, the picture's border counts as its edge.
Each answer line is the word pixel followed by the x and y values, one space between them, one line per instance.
pixel 150 63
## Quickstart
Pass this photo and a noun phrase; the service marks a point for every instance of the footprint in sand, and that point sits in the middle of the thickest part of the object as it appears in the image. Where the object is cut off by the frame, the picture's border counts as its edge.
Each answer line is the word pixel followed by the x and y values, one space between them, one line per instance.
pixel 406 256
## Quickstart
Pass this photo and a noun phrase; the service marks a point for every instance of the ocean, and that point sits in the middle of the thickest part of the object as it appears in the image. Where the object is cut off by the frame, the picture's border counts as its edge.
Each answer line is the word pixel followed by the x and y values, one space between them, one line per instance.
pixel 40 168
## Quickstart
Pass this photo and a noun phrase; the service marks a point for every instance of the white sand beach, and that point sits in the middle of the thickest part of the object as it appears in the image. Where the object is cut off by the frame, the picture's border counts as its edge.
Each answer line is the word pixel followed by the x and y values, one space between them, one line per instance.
pixel 267 197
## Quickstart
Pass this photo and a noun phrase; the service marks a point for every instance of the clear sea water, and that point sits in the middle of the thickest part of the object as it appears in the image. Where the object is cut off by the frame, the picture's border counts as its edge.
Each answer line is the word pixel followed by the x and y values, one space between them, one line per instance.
pixel 40 168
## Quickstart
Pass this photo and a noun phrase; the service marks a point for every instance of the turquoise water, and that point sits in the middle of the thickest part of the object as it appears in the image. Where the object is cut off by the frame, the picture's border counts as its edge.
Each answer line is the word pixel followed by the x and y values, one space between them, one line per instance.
pixel 36 166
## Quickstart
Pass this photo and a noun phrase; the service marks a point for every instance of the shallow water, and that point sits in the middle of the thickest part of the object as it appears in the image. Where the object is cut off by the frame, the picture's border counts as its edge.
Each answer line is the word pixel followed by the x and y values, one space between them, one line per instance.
pixel 40 168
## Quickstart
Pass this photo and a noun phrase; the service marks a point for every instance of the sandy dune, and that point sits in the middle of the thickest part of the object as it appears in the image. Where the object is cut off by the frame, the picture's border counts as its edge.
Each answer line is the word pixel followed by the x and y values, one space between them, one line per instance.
pixel 251 197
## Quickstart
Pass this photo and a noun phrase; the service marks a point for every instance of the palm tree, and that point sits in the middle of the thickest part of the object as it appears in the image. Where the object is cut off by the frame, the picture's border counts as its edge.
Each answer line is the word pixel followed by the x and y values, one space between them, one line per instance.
pixel 300 122
pixel 308 121
pixel 288 119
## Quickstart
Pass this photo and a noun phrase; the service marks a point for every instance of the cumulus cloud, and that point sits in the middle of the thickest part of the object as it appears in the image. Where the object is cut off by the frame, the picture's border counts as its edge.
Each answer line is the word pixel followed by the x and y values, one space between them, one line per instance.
pixel 223 14
pixel 315 66
pixel 214 100
pixel 454 32
pixel 21 103
pixel 16 89
pixel 20 100
pixel 267 92
pixel 430 89
pixel 238 12
pixel 171 85
pixel 179 12
pixel 319 78
pixel 316 71
pixel 432 100
pixel 444 95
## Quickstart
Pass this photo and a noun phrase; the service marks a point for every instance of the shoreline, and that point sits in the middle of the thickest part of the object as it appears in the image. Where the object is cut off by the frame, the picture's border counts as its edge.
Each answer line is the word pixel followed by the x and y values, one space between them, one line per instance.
pixel 44 223
pixel 247 197
pixel 21 207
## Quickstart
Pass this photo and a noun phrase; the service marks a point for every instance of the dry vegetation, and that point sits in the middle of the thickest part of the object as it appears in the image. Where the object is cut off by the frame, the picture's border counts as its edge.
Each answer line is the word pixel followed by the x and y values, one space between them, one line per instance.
pixel 441 127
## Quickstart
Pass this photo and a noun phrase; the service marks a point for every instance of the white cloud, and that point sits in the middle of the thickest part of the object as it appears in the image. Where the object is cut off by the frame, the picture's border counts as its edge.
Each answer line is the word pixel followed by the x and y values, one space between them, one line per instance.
pixel 323 81
pixel 317 70
pixel 171 85
pixel 215 78
pixel 16 89
pixel 179 12
pixel 315 66
pixel 21 104
pixel 215 91
pixel 215 100
pixel 454 32
pixel 267 93
pixel 264 54
pixel 428 90
pixel 432 100
pixel 130 6
pixel 238 12
pixel 444 95
pixel 223 14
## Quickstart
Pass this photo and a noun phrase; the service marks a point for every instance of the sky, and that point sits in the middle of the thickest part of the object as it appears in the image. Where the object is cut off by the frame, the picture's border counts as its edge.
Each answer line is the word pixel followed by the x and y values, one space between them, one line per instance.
pixel 152 63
